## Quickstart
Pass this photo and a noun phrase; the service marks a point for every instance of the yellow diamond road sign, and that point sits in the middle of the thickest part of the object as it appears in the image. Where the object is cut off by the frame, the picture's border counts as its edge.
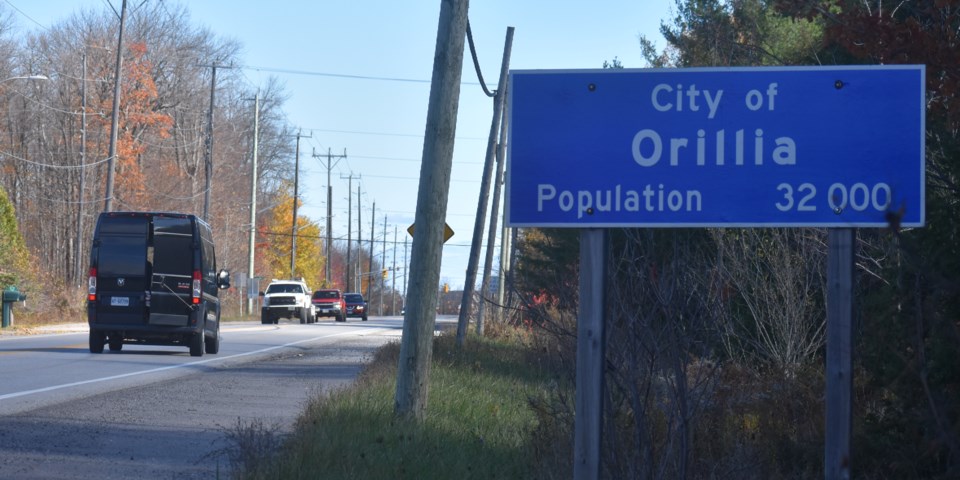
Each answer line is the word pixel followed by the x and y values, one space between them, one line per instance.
pixel 447 232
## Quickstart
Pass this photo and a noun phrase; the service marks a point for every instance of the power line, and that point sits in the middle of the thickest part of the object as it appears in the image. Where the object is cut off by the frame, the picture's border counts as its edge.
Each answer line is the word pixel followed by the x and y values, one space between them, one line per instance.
pixel 47 165
pixel 341 75
pixel 356 132
pixel 384 134
pixel 28 17
pixel 396 177
pixel 417 160
pixel 359 240
pixel 370 157
pixel 38 198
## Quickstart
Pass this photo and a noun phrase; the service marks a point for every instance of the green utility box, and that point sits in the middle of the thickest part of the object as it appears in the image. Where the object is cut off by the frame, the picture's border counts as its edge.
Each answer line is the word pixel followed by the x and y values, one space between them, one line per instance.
pixel 10 295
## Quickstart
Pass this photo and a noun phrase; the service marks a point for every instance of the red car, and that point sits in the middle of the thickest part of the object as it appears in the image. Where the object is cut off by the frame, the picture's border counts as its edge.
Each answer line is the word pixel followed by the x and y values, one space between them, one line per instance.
pixel 329 303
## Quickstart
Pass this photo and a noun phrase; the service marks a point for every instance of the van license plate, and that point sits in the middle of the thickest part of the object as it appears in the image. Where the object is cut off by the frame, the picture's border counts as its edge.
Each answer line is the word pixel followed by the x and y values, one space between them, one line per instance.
pixel 119 301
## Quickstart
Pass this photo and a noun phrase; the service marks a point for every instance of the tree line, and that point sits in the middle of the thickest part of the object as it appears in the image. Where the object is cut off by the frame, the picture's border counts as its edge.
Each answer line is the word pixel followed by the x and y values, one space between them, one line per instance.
pixel 56 94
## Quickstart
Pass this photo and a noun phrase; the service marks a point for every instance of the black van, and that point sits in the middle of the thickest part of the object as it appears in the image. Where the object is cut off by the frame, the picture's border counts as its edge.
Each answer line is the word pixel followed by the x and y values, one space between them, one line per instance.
pixel 153 281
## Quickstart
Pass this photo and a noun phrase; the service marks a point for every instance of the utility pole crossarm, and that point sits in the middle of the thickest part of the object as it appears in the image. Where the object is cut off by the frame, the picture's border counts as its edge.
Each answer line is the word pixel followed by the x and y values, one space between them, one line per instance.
pixel 329 166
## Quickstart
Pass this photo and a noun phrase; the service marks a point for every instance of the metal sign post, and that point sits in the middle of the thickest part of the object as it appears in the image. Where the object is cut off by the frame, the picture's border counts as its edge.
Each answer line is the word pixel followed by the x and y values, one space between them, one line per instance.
pixel 839 399
pixel 590 353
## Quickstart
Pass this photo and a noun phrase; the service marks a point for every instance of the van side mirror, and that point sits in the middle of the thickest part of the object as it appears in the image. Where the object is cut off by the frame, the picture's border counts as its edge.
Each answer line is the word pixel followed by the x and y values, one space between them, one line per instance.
pixel 223 279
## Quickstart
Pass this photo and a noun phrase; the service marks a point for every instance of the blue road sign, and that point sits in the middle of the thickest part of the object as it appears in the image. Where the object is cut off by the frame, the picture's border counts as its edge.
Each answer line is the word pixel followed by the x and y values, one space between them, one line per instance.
pixel 730 147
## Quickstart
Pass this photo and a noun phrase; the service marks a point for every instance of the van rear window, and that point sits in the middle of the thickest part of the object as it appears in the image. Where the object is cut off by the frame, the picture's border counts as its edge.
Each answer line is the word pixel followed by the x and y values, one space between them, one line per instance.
pixel 173 225
pixel 125 225
pixel 123 255
pixel 172 246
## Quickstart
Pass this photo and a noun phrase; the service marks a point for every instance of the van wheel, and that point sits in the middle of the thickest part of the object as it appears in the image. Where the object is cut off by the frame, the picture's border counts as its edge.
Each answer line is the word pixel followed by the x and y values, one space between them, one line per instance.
pixel 265 318
pixel 212 344
pixel 303 315
pixel 196 344
pixel 116 343
pixel 341 318
pixel 97 339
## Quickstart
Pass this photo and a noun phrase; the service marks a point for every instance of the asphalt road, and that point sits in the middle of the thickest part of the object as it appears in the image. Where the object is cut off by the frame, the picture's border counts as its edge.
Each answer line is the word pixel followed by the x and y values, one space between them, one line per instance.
pixel 157 412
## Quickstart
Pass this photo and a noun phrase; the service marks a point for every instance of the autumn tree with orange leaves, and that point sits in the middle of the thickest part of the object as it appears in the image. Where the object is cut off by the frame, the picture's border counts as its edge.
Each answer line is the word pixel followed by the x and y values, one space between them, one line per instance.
pixel 275 250
pixel 139 116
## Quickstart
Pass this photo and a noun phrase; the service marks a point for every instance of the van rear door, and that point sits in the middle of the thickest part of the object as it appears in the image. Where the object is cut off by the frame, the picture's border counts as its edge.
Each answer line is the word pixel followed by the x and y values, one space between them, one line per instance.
pixel 122 269
pixel 172 256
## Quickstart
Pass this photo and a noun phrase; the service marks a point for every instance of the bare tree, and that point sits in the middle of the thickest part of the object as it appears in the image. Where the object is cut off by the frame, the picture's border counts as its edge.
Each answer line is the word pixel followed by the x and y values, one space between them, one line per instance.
pixel 775 281
pixel 662 368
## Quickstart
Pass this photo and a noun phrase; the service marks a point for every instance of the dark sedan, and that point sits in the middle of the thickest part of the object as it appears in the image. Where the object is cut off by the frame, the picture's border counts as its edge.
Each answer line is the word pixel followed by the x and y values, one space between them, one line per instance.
pixel 356 305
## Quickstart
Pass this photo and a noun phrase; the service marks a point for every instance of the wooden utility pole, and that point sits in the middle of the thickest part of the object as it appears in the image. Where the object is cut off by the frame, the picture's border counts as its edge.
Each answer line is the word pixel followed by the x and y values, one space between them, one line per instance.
pixel 505 241
pixel 494 217
pixel 373 220
pixel 383 263
pixel 416 347
pixel 78 265
pixel 115 116
pixel 253 197
pixel 208 150
pixel 359 276
pixel 296 198
pixel 466 304
pixel 393 278
pixel 349 264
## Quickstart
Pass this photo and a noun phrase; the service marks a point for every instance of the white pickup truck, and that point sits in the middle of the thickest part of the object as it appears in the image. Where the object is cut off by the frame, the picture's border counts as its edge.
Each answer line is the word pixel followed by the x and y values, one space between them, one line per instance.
pixel 287 299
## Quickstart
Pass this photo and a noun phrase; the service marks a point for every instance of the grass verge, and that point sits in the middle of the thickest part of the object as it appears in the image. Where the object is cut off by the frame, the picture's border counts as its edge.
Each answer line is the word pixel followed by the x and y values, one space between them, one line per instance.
pixel 478 422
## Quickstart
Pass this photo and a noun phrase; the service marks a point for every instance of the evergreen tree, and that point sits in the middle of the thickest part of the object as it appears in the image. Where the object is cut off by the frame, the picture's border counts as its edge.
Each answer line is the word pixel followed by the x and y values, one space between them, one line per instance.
pixel 14 257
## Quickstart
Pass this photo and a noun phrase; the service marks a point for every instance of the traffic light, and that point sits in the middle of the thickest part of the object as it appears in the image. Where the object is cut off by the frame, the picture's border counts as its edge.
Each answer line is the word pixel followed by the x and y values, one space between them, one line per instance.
pixel 446 288
pixel 384 273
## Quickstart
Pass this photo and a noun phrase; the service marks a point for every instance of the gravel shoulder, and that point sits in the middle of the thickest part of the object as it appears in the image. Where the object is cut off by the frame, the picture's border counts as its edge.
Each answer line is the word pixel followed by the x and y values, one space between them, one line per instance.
pixel 176 428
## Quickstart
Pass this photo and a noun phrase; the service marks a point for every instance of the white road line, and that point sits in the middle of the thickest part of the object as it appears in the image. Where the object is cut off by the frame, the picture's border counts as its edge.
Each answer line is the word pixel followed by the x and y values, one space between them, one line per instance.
pixel 184 365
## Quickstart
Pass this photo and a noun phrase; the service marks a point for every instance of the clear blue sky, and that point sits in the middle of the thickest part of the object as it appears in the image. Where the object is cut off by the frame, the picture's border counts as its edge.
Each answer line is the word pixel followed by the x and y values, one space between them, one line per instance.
pixel 380 123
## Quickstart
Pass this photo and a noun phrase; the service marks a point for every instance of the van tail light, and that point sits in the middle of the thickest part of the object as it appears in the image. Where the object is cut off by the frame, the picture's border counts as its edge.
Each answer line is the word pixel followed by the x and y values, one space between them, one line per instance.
pixel 196 287
pixel 92 285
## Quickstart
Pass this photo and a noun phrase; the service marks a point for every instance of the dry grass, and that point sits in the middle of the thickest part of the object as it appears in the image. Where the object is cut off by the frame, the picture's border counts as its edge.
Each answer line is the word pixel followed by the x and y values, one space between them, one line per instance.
pixel 478 424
